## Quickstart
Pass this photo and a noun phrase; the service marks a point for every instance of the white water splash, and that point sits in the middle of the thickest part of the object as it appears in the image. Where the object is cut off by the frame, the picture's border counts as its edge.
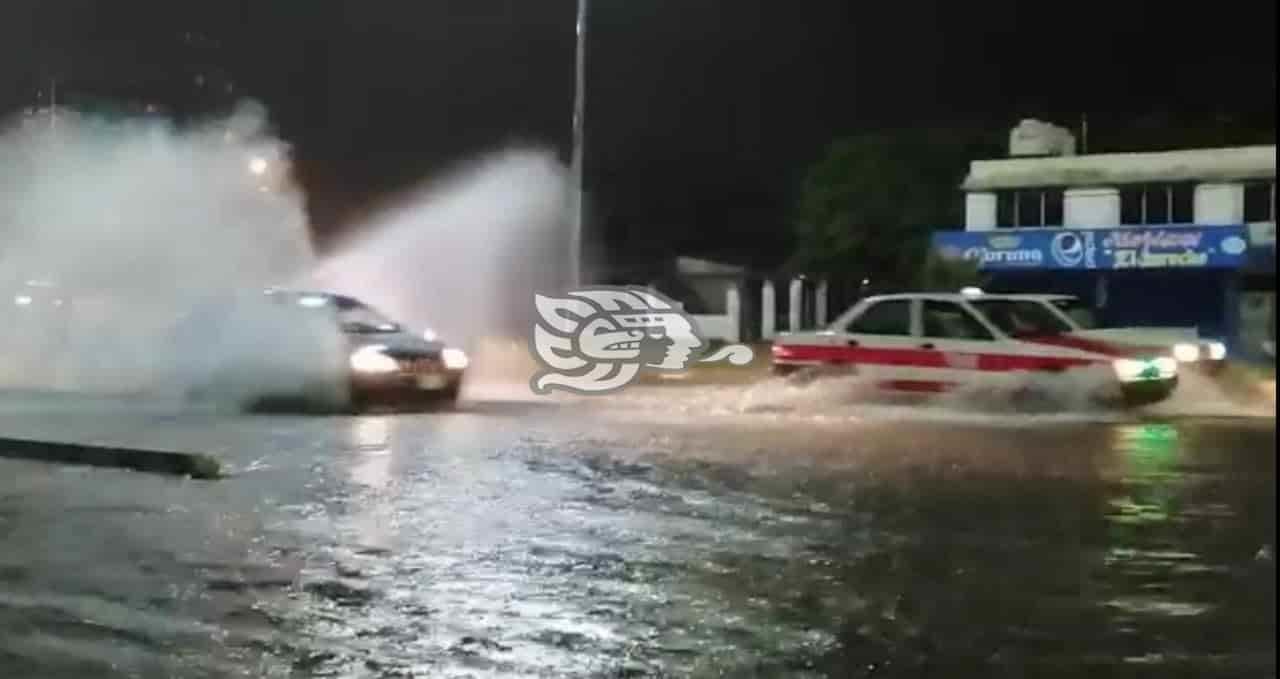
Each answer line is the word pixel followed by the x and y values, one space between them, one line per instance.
pixel 464 256
pixel 113 230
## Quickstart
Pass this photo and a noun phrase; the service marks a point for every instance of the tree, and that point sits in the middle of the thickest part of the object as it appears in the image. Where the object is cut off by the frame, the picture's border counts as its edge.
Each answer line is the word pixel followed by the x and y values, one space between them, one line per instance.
pixel 869 207
pixel 939 274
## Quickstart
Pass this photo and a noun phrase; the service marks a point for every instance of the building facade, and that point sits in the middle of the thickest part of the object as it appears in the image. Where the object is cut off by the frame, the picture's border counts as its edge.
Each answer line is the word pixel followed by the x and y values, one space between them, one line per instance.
pixel 1179 238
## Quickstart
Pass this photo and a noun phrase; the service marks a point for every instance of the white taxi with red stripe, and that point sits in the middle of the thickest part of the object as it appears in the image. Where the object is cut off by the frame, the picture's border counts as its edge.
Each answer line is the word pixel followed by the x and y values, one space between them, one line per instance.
pixel 933 342
pixel 1183 343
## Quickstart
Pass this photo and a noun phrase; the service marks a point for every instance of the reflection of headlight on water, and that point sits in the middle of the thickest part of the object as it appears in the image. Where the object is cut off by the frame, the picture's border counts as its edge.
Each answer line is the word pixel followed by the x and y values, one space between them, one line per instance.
pixel 372 360
pixel 455 359
pixel 1186 352
pixel 1138 370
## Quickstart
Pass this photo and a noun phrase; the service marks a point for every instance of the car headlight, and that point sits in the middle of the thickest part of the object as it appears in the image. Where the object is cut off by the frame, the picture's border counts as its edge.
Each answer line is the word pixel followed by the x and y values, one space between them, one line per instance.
pixel 455 359
pixel 1186 353
pixel 1141 370
pixel 372 360
pixel 1217 351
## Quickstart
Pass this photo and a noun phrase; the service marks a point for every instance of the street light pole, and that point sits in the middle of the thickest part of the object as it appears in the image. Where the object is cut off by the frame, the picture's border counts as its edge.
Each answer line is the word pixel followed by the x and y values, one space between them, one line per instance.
pixel 53 104
pixel 579 113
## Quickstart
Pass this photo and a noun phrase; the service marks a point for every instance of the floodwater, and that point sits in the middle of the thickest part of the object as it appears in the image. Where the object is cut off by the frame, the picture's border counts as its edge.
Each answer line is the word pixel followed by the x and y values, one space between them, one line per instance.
pixel 650 534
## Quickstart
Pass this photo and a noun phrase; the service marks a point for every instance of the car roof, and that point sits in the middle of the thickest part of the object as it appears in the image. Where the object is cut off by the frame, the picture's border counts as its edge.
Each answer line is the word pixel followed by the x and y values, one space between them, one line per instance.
pixel 340 300
pixel 1045 296
pixel 958 297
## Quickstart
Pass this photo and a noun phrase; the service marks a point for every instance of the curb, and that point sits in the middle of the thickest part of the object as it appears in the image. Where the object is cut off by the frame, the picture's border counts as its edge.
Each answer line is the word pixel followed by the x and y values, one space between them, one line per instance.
pixel 194 465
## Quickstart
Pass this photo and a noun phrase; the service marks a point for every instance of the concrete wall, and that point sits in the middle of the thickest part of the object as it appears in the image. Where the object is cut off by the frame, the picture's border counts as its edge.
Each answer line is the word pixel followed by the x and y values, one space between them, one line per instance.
pixel 725 326
pixel 1091 208
pixel 980 211
pixel 1113 169
pixel 1219 203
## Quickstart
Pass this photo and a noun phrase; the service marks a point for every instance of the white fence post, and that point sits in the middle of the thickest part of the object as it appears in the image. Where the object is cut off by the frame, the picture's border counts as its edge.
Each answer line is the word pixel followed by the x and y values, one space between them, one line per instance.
pixel 820 304
pixel 733 309
pixel 797 304
pixel 768 311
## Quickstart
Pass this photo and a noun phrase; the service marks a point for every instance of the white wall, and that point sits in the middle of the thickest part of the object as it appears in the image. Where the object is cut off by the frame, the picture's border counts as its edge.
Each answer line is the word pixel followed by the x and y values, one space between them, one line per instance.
pixel 1262 233
pixel 1115 169
pixel 718 327
pixel 1219 203
pixel 724 326
pixel 980 211
pixel 1091 208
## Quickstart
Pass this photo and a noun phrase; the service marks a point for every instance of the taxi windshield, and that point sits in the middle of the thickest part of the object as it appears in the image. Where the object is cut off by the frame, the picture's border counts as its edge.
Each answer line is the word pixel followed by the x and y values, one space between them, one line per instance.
pixel 356 317
pixel 1078 312
pixel 1021 318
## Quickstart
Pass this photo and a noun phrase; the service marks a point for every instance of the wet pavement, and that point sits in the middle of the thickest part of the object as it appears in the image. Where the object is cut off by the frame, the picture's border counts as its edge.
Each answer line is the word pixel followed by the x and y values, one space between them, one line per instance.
pixel 666 534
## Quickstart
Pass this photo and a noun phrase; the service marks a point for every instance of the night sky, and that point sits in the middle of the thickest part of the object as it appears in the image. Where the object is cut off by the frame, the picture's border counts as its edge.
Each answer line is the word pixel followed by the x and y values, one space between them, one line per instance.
pixel 702 115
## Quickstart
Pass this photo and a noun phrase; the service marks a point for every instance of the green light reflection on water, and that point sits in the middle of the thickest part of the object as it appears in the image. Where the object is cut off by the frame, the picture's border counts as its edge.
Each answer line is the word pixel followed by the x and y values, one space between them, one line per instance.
pixel 1151 451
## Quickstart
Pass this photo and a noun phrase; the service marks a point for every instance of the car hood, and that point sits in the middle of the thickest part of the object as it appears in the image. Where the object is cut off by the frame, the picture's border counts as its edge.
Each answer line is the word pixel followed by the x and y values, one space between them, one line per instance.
pixel 1142 336
pixel 1119 341
pixel 396 343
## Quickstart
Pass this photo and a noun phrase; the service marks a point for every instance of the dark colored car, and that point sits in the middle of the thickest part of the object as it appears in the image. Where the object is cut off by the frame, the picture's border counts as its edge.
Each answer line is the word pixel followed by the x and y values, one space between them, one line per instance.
pixel 380 361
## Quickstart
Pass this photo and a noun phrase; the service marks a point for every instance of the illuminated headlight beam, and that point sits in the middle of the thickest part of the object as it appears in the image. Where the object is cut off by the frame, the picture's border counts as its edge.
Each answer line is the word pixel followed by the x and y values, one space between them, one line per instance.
pixel 455 359
pixel 1139 370
pixel 1186 352
pixel 371 360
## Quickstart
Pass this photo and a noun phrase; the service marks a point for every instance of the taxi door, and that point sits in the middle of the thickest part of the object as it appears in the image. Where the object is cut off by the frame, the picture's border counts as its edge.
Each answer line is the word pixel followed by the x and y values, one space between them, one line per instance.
pixel 881 341
pixel 957 341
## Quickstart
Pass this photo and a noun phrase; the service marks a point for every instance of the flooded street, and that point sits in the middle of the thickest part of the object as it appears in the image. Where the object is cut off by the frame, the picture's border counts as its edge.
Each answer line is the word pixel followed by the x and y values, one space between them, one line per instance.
pixel 643 536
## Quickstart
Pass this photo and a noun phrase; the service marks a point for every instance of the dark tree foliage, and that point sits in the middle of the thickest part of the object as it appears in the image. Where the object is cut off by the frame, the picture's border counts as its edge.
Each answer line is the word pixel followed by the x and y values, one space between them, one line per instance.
pixel 867 209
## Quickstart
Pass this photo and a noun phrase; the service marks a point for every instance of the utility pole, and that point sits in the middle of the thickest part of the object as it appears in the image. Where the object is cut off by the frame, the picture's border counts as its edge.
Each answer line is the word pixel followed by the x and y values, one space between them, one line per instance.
pixel 579 113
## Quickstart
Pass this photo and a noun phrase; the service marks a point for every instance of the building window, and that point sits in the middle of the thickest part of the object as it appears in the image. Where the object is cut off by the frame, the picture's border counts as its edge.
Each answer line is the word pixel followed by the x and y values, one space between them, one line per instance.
pixel 1131 199
pixel 892 317
pixel 1053 210
pixel 1029 207
pixel 1006 208
pixel 1158 203
pixel 1260 202
pixel 1182 202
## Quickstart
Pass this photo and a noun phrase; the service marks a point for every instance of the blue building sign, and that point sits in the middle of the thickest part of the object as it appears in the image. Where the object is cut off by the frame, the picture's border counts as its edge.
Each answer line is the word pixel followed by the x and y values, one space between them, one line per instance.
pixel 1128 248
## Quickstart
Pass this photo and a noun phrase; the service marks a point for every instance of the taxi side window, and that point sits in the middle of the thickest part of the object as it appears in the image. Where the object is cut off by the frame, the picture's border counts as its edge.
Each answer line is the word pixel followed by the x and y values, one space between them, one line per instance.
pixel 948 320
pixel 891 317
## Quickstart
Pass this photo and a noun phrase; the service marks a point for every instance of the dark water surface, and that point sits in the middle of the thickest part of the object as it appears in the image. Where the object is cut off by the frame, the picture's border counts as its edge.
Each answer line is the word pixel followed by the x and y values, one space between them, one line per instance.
pixel 526 540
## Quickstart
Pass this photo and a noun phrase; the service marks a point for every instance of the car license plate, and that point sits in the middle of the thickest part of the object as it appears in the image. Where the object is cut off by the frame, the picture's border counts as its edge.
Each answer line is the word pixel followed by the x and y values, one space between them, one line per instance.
pixel 431 381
